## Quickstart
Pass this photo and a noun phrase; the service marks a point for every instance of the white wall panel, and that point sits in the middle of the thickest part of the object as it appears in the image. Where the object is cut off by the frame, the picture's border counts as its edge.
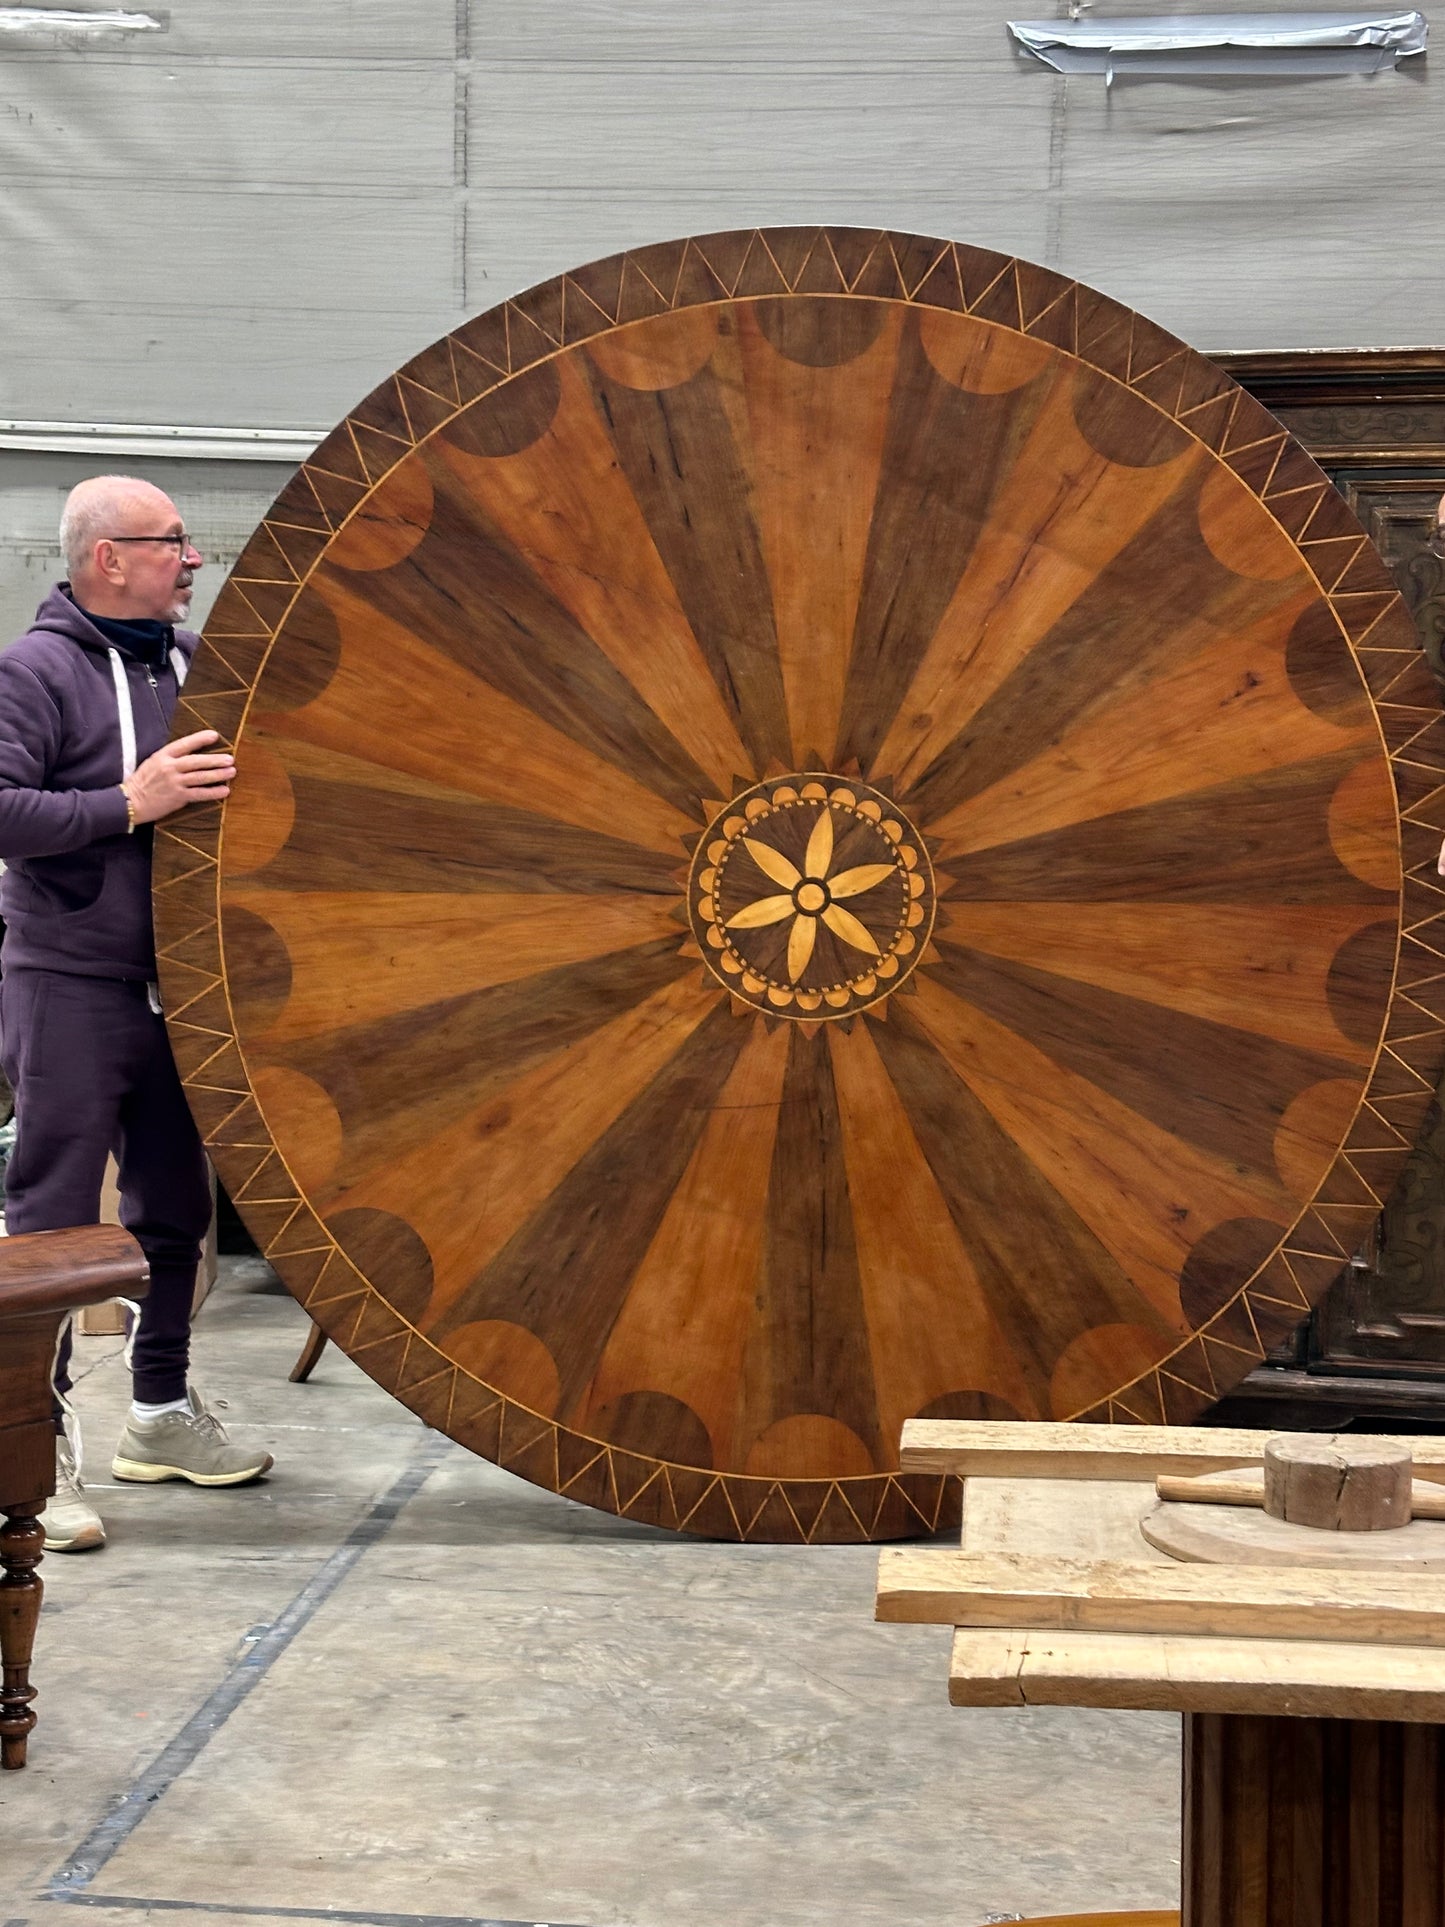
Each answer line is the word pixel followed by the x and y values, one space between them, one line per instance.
pixel 349 32
pixel 257 312
pixel 737 33
pixel 1260 216
pixel 249 218
pixel 828 131
pixel 1228 287
pixel 152 130
pixel 1260 145
pixel 221 501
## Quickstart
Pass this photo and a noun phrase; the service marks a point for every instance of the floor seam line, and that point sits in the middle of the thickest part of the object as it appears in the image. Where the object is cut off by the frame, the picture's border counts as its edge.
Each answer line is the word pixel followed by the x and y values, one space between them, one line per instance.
pixel 352 1917
pixel 244 1674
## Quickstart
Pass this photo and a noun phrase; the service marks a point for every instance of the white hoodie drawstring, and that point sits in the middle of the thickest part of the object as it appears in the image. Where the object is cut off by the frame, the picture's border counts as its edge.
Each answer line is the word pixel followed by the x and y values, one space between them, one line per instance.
pixel 126 713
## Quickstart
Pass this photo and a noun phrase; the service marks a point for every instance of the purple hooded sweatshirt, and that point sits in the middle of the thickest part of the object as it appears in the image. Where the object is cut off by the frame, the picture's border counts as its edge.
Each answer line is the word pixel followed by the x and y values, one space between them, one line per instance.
pixel 75 717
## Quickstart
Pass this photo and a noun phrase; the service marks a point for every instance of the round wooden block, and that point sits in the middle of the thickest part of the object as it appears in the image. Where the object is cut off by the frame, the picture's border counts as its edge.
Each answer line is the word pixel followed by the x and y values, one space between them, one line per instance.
pixel 1338 1484
pixel 1209 1534
pixel 813 845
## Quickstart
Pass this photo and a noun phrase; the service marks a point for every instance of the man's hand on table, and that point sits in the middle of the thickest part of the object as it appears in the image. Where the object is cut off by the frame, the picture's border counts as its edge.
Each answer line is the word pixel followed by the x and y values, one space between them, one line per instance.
pixel 185 771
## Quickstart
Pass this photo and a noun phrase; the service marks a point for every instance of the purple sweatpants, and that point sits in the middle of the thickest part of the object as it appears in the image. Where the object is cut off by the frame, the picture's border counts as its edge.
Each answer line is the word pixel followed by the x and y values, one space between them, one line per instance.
pixel 92 1071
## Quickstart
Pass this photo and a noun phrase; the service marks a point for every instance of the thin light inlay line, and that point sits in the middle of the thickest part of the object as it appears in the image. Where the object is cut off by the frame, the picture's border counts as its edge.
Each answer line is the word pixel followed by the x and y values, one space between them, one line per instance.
pixel 111 1832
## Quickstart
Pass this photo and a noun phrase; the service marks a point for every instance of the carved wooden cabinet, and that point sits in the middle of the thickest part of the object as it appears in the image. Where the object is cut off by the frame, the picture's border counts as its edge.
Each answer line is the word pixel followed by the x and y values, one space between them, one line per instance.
pixel 1373 1351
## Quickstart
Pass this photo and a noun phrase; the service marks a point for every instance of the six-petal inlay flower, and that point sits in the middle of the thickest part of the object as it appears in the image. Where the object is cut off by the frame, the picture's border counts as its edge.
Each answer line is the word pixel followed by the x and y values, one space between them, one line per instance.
pixel 811 895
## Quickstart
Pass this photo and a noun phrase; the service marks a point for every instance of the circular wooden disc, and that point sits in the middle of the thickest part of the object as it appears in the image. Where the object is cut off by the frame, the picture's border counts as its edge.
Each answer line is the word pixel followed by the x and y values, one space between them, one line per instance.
pixel 1243 1536
pixel 813 845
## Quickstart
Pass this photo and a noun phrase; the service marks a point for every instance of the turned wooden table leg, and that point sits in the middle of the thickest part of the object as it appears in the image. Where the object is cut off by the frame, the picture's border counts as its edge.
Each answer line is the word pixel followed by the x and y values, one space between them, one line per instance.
pixel 313 1348
pixel 22 1540
pixel 1313 1823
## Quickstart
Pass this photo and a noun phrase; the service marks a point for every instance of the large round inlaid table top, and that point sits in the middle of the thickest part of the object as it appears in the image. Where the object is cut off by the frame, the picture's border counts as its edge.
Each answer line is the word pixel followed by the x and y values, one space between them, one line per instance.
pixel 816 842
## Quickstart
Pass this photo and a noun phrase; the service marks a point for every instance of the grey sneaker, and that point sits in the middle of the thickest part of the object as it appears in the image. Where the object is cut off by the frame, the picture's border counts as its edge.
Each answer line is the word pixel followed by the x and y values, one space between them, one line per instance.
pixel 185 1445
pixel 72 1523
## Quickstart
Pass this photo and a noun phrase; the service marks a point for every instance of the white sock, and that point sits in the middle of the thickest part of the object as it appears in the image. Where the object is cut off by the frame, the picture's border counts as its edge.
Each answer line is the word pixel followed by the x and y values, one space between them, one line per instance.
pixel 140 1411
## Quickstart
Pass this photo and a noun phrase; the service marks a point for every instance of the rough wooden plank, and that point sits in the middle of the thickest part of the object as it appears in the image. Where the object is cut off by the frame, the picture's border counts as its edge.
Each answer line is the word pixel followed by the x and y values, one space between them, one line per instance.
pixel 1082 1520
pixel 1003 1589
pixel 1150 1672
pixel 1001 1450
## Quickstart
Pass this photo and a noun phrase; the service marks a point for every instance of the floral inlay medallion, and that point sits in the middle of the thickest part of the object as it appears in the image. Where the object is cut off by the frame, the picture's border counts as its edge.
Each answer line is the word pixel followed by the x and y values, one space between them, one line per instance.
pixel 811 896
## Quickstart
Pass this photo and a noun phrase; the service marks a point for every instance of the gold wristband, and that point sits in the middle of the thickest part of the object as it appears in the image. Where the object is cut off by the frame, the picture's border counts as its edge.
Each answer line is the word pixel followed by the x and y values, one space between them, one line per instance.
pixel 129 810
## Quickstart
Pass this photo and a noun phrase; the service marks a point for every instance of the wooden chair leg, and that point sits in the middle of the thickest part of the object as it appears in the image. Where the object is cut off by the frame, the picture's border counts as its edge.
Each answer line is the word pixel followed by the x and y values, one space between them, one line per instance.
pixel 22 1542
pixel 310 1352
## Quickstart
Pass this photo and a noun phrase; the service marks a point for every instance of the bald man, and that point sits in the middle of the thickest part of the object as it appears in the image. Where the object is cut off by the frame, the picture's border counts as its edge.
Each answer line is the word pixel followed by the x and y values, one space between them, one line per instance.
pixel 86 699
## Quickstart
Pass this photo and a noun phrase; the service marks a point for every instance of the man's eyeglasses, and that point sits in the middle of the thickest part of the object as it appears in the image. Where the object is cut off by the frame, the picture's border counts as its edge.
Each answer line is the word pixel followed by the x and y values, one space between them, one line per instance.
pixel 180 542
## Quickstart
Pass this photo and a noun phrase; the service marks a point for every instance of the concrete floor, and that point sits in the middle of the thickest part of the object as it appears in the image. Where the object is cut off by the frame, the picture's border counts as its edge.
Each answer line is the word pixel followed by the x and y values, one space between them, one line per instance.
pixel 396 1685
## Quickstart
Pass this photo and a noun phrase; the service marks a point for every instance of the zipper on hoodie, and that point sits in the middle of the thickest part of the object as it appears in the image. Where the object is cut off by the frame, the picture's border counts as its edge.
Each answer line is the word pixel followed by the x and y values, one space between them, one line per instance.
pixel 155 691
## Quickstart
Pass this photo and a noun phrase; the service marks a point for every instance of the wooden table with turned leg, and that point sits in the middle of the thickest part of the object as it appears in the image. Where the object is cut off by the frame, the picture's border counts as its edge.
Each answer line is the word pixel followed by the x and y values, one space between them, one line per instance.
pixel 1311 1680
pixel 44 1277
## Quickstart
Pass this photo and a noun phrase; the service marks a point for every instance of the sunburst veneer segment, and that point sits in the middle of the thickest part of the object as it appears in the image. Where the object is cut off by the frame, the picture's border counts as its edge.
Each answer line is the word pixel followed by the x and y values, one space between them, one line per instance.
pixel 684 1328
pixel 930 1328
pixel 807 1350
pixel 816 440
pixel 1210 1085
pixel 679 453
pixel 1045 1274
pixel 1147 1196
pixel 260 812
pixel 564 504
pixel 567 1270
pixel 466 1190
pixel 450 1057
pixel 1254 839
pixel 1222 708
pixel 929 512
pixel 359 827
pixel 327 763
pixel 1261 968
pixel 357 957
pixel 1062 515
pixel 398 703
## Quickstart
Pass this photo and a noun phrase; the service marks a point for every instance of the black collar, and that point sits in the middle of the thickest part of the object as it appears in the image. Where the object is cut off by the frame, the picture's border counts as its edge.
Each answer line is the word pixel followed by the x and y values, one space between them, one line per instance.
pixel 147 642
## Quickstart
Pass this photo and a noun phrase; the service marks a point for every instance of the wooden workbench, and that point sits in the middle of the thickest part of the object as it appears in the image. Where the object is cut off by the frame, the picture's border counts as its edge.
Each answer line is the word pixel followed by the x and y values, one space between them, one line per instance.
pixel 1313 1700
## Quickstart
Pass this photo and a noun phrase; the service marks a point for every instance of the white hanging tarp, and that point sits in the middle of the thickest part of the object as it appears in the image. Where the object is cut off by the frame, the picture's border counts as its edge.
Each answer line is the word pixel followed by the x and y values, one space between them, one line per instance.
pixel 68 21
pixel 1294 44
